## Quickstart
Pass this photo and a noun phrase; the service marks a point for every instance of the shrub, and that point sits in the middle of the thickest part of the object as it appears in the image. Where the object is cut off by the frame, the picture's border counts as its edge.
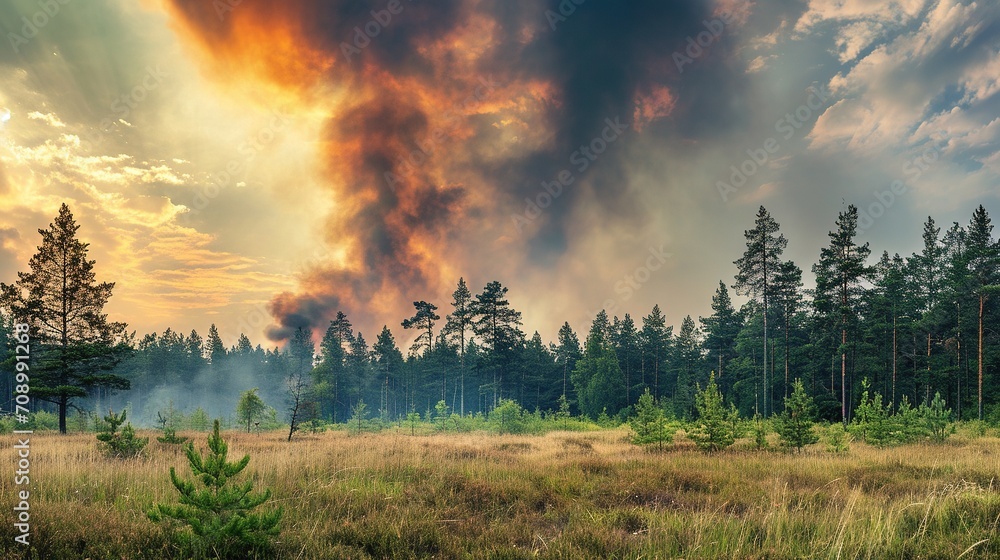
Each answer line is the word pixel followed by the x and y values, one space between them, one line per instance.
pixel 79 421
pixel 605 421
pixel 359 419
pixel 508 417
pixel 199 420
pixel 838 440
pixel 7 425
pixel 872 421
pixel 170 436
pixel 219 513
pixel 42 420
pixel 122 444
pixel 759 429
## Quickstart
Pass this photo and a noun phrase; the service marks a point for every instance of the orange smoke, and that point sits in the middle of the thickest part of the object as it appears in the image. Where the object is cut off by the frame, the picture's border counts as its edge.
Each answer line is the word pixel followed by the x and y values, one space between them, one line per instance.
pixel 393 141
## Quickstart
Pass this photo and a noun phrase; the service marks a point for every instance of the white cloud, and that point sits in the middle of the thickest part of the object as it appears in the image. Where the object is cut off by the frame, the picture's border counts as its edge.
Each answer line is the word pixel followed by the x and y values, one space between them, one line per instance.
pixel 898 12
pixel 855 37
pixel 893 91
pixel 48 118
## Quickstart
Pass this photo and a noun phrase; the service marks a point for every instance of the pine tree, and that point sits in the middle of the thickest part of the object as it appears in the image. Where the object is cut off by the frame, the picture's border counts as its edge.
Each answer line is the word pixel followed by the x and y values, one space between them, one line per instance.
pixel 124 444
pixel 302 349
pixel 195 356
pixel 983 261
pixel 389 364
pixel 329 374
pixel 936 418
pixel 655 337
pixel 795 425
pixel 423 320
pixel 219 513
pixel 243 346
pixel 649 423
pixel 497 324
pixel 688 358
pixel 626 339
pixel 893 302
pixel 872 420
pixel 929 265
pixel 715 427
pixel 250 407
pixel 567 353
pixel 599 383
pixel 757 269
pixel 214 346
pixel 73 343
pixel 721 329
pixel 358 367
pixel 839 284
pixel 458 328
pixel 787 298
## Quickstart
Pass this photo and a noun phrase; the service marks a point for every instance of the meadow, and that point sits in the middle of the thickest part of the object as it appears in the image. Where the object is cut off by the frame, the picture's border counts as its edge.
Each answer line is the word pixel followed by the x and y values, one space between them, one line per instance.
pixel 589 494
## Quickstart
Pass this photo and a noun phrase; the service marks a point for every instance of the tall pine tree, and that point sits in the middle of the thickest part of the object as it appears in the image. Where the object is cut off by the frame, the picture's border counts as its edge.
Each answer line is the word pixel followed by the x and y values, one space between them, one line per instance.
pixel 458 329
pixel 756 272
pixel 839 275
pixel 73 343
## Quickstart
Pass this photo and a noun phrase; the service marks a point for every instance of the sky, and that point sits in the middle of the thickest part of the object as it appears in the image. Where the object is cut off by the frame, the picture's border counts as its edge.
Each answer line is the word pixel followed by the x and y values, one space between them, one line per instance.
pixel 262 165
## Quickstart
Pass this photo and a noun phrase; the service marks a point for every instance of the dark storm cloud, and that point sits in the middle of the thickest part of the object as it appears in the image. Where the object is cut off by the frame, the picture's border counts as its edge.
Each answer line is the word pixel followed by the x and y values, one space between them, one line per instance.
pixel 601 58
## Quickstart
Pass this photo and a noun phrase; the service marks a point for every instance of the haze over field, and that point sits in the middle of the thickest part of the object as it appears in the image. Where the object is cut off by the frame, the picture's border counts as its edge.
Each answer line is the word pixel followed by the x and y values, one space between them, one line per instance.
pixel 262 165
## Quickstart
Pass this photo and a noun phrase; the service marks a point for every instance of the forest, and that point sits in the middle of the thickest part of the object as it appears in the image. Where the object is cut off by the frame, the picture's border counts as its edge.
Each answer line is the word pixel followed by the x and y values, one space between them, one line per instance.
pixel 910 326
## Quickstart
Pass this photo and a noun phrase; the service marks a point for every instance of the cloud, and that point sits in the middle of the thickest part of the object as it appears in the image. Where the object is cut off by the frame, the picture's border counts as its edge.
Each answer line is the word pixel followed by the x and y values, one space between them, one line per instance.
pixel 48 118
pixel 893 96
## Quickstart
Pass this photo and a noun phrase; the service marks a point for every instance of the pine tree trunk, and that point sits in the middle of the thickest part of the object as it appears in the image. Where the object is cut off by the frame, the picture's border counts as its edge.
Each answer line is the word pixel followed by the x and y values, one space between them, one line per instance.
pixel 982 300
pixel 843 373
pixel 63 401
pixel 786 353
pixel 894 361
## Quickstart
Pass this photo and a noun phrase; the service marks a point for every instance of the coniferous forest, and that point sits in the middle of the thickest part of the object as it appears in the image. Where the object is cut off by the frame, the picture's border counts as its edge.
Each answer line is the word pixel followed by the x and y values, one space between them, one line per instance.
pixel 503 280
pixel 906 327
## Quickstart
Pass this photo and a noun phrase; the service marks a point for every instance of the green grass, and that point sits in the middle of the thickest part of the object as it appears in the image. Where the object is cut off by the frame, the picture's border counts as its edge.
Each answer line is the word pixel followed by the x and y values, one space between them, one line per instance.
pixel 559 495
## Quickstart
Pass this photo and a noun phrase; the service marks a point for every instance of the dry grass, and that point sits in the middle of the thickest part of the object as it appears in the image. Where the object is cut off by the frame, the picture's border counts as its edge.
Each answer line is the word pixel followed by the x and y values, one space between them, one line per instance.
pixel 562 495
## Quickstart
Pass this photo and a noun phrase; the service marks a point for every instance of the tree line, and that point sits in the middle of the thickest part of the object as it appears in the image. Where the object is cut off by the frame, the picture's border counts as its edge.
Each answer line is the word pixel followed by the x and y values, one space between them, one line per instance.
pixel 905 327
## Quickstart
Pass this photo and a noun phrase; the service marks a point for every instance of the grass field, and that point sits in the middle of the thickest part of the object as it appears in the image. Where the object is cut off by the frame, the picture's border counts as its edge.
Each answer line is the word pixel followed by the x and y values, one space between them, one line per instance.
pixel 561 495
